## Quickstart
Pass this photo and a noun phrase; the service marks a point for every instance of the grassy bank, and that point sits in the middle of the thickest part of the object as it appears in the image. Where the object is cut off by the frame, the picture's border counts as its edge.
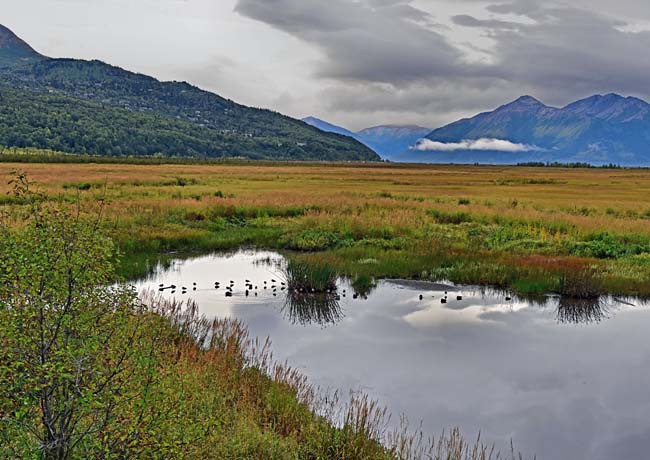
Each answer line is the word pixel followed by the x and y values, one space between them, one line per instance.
pixel 525 228
pixel 90 370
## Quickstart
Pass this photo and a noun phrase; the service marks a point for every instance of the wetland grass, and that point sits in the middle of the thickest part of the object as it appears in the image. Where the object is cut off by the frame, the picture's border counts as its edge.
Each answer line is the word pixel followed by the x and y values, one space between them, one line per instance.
pixel 514 227
pixel 302 277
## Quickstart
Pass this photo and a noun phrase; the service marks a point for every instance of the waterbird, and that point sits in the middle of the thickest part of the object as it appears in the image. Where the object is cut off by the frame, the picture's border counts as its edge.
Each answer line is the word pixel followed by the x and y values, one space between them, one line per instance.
pixel 228 294
pixel 508 299
pixel 246 292
pixel 459 297
pixel 248 281
pixel 443 300
pixel 273 281
pixel 421 296
pixel 355 296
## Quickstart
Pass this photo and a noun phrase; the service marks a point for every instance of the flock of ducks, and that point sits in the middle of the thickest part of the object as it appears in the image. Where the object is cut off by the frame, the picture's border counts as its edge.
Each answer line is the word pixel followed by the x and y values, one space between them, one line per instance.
pixel 250 289
pixel 274 286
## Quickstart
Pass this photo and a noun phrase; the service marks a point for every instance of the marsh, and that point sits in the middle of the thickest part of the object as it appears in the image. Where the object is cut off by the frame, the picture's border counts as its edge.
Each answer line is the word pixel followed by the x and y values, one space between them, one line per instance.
pixel 562 379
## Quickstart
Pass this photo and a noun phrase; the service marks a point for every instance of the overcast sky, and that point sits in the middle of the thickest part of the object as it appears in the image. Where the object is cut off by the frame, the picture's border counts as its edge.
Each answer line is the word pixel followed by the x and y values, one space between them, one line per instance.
pixel 359 63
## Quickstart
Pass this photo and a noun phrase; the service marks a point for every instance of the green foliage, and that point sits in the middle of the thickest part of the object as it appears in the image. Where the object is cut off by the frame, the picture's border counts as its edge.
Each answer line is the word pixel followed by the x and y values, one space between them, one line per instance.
pixel 86 107
pixel 443 217
pixel 71 345
pixel 314 240
pixel 604 245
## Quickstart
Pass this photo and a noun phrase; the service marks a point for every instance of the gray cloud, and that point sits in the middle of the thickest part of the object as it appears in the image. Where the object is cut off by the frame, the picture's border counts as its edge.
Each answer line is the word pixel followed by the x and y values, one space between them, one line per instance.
pixel 388 56
pixel 470 21
pixel 359 62
pixel 382 41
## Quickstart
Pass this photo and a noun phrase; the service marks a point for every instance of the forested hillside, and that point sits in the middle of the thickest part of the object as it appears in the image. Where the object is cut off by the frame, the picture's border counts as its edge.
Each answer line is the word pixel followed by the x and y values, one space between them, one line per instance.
pixel 91 107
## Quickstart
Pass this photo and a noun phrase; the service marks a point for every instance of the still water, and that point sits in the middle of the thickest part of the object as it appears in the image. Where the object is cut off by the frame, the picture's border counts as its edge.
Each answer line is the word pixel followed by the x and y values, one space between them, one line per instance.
pixel 564 381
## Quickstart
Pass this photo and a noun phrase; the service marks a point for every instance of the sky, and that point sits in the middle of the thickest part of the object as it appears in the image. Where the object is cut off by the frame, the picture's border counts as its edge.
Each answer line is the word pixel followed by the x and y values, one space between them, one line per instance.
pixel 359 63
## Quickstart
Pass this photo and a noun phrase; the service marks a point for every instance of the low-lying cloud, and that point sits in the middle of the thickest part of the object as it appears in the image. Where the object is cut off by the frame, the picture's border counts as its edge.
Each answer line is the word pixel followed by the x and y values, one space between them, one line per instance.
pixel 483 144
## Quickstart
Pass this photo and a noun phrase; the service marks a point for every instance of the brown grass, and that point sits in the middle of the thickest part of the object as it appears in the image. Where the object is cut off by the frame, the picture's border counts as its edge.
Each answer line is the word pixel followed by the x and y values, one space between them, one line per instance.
pixel 589 199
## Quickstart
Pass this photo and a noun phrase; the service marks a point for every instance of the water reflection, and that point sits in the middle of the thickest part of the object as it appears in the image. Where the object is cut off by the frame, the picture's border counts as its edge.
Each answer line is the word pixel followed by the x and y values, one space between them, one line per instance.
pixel 582 311
pixel 323 309
pixel 484 360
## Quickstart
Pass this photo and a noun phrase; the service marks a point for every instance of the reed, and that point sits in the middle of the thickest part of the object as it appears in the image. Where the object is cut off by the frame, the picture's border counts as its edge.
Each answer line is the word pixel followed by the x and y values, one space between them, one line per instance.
pixel 309 277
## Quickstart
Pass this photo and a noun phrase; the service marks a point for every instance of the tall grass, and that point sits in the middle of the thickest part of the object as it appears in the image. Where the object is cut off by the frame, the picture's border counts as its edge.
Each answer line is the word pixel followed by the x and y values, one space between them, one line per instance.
pixel 219 358
pixel 406 218
pixel 309 277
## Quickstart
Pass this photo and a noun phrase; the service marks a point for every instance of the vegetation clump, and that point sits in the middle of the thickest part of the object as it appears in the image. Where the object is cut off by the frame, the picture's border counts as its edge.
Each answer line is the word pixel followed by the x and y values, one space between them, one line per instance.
pixel 309 277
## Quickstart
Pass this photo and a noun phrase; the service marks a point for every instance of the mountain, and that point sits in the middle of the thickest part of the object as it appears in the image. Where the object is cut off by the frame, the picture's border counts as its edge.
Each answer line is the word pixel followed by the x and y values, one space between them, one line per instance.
pixel 92 107
pixel 387 140
pixel 328 127
pixel 608 129
pixel 14 51
pixel 391 140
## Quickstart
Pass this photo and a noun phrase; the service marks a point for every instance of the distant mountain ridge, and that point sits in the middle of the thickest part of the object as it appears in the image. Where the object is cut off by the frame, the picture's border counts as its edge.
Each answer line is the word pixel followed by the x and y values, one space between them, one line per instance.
pixel 601 129
pixel 328 127
pixel 386 140
pixel 392 140
pixel 92 107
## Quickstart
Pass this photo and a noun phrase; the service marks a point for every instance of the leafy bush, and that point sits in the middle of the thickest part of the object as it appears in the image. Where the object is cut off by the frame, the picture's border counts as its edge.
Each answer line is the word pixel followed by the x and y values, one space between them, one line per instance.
pixel 314 240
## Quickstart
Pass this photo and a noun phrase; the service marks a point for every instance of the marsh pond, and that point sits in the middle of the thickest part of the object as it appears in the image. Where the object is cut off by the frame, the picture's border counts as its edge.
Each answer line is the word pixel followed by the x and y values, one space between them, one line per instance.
pixel 563 380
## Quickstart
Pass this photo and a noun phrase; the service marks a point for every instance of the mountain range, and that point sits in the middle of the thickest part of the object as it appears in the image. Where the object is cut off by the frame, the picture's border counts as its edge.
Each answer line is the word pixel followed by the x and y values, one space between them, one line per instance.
pixel 599 130
pixel 91 107
pixel 388 141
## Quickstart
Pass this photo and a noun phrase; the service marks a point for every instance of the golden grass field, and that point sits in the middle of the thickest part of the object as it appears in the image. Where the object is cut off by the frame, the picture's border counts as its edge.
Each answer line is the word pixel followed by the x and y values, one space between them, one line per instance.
pixel 599 214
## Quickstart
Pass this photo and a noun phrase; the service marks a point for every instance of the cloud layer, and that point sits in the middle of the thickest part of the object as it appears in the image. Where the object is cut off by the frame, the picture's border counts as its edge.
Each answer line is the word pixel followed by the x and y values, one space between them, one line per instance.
pixel 436 56
pixel 360 63
pixel 485 144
